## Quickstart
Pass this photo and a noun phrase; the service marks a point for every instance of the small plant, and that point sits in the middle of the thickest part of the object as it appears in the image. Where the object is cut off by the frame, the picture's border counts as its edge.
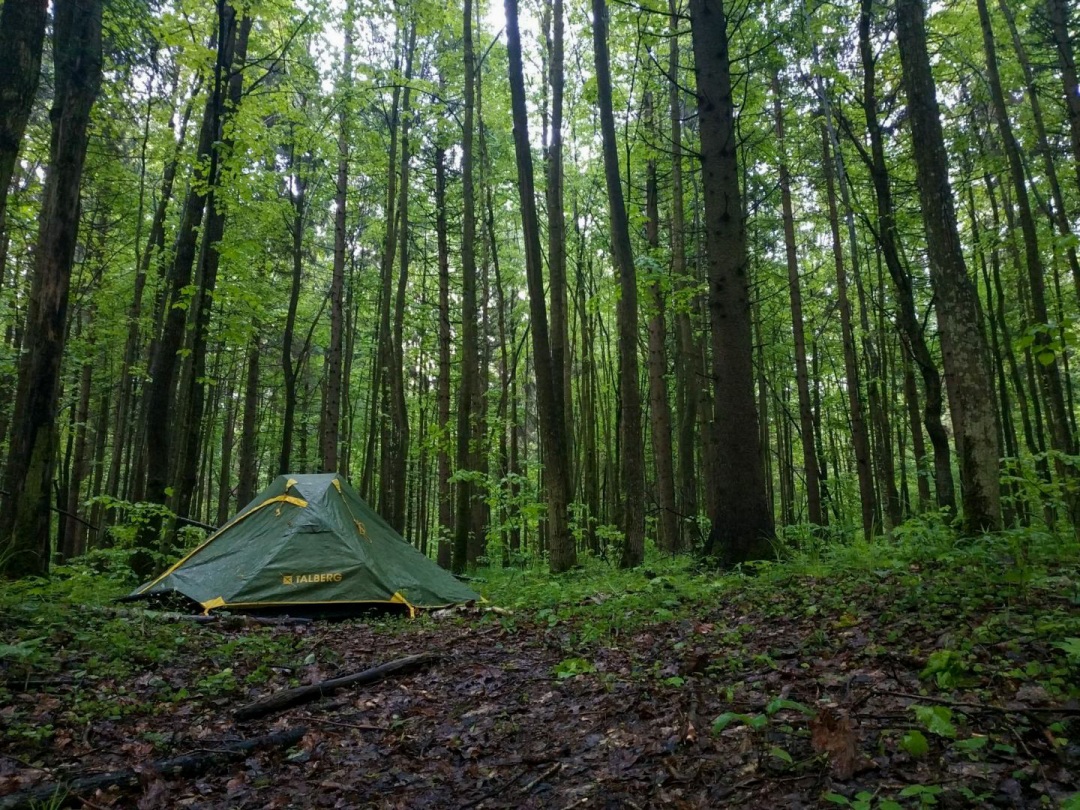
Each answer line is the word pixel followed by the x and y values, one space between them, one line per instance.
pixel 572 667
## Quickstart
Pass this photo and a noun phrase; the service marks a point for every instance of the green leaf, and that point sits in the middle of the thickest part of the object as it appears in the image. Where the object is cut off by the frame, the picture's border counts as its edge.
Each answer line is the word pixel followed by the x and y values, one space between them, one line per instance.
pixel 1046 358
pixel 836 798
pixel 937 719
pixel 776 704
pixel 780 753
pixel 914 742
pixel 971 744
pixel 1071 802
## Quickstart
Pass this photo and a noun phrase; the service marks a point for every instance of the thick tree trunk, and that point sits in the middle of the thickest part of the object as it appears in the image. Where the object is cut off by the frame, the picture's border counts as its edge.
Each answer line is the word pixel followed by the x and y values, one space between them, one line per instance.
pixel 632 455
pixel 22 35
pixel 562 553
pixel 963 345
pixel 742 526
pixel 24 516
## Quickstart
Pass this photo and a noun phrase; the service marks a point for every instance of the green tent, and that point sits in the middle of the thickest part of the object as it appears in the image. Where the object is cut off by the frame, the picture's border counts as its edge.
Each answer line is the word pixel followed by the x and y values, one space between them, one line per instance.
pixel 309 543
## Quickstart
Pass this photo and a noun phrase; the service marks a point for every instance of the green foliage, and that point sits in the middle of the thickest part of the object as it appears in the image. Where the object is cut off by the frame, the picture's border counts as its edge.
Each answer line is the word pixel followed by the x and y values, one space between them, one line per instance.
pixel 572 667
pixel 936 719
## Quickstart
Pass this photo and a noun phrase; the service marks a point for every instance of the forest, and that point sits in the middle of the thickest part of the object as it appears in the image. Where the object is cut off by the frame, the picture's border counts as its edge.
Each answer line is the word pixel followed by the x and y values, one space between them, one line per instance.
pixel 704 339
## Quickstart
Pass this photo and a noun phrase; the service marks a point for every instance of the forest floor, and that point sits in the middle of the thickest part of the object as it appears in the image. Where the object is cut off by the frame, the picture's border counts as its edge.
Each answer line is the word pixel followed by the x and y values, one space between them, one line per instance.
pixel 885 680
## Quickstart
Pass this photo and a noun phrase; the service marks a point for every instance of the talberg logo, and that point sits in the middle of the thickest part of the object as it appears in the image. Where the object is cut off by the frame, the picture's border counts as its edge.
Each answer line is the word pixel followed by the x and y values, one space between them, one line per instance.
pixel 300 579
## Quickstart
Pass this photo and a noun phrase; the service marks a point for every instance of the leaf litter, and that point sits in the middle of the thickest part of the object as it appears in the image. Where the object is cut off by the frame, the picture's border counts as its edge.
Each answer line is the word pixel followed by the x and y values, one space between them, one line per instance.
pixel 909 689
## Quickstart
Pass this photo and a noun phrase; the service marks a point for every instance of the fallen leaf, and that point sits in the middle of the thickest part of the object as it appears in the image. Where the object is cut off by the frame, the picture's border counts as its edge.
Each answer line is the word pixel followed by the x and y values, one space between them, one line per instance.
pixel 832 732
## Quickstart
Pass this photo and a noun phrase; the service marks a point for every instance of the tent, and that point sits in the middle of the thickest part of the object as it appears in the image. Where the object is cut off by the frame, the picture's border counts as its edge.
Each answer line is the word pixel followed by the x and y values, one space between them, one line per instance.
pixel 308 543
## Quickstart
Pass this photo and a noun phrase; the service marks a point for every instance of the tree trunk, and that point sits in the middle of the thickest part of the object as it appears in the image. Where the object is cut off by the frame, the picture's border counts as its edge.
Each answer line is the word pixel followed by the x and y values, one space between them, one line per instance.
pixel 159 409
pixel 22 36
pixel 688 371
pixel 467 427
pixel 445 552
pixel 560 323
pixel 291 369
pixel 331 410
pixel 659 403
pixel 193 387
pixel 860 438
pixel 742 526
pixel 806 414
pixel 963 345
pixel 397 449
pixel 563 554
pixel 632 456
pixel 907 319
pixel 24 518
pixel 1057 12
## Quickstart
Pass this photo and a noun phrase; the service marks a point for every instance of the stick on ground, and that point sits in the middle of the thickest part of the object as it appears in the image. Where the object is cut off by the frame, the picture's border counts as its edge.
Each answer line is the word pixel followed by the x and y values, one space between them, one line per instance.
pixel 286 699
pixel 62 793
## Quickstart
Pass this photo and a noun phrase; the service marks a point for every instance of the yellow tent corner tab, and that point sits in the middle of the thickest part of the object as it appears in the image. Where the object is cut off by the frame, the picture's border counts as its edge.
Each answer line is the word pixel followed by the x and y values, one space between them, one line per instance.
pixel 213 603
pixel 398 599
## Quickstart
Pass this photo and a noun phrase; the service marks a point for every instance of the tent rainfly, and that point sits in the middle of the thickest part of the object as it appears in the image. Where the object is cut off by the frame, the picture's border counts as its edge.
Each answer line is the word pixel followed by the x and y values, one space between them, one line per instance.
pixel 308 543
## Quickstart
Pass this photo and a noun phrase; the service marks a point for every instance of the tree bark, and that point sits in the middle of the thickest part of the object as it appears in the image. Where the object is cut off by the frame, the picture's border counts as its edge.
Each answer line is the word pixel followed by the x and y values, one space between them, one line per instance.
pixel 963 345
pixel 632 456
pixel 467 427
pixel 1057 12
pixel 659 403
pixel 742 525
pixel 332 394
pixel 806 414
pixel 24 516
pixel 445 552
pixel 907 319
pixel 860 438
pixel 562 552
pixel 22 36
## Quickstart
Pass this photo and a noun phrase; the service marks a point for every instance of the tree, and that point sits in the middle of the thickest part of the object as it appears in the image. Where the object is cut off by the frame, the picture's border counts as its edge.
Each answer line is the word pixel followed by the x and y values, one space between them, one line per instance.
pixel 742 526
pixel 563 554
pixel 631 455
pixel 22 36
pixel 24 518
pixel 963 346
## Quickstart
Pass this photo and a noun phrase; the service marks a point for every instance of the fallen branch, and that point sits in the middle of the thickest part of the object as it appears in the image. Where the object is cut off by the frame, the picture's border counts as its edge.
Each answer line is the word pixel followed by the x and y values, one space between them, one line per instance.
pixel 62 793
pixel 983 707
pixel 279 701
pixel 230 622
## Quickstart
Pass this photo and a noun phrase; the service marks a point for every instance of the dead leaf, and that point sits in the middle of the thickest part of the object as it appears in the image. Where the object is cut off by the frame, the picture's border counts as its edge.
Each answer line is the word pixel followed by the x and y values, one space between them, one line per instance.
pixel 155 794
pixel 832 732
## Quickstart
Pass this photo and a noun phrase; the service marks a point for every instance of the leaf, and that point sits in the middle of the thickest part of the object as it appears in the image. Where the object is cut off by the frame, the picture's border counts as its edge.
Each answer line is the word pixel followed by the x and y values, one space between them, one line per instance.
pixel 971 744
pixel 915 743
pixel 1046 358
pixel 937 719
pixel 832 732
pixel 780 753
pixel 776 704
pixel 836 798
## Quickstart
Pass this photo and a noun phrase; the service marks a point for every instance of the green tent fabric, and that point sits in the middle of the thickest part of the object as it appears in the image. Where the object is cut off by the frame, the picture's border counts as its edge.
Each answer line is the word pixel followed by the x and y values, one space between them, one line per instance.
pixel 308 542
